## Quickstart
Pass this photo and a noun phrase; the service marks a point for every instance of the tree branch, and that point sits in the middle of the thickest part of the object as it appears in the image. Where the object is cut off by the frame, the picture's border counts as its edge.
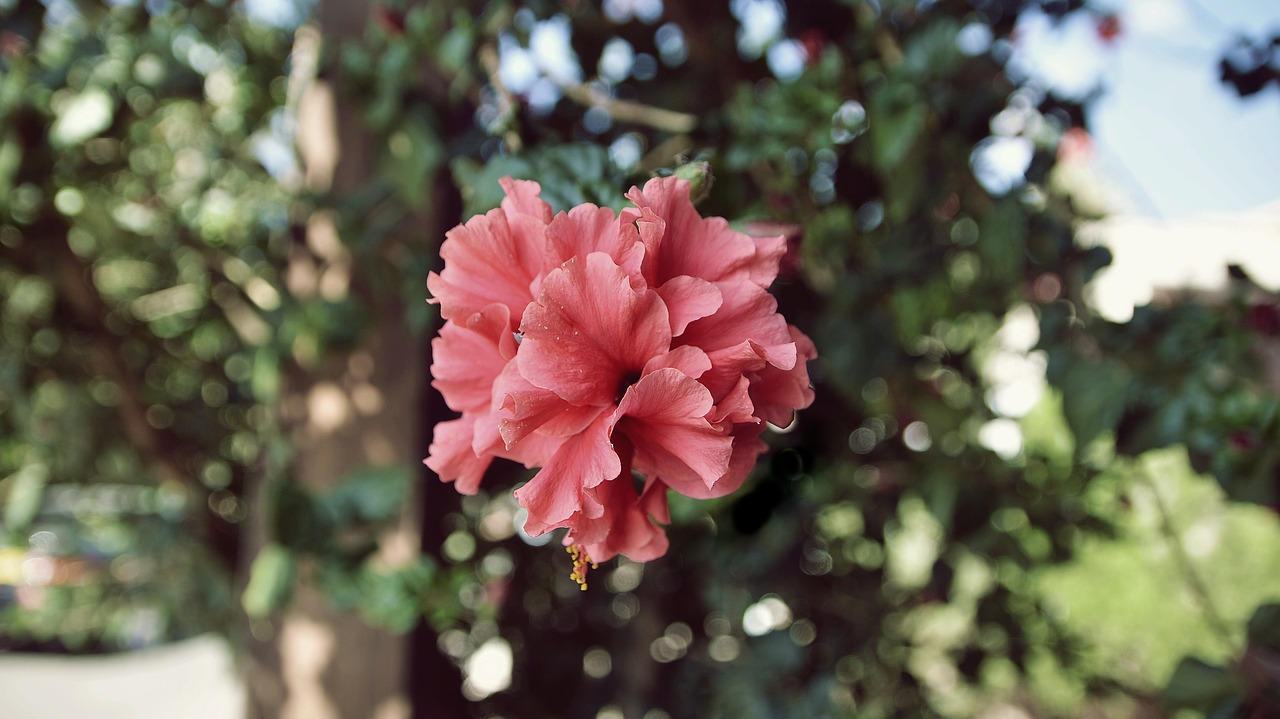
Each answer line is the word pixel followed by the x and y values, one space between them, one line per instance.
pixel 634 112
pixel 1190 575
pixel 159 446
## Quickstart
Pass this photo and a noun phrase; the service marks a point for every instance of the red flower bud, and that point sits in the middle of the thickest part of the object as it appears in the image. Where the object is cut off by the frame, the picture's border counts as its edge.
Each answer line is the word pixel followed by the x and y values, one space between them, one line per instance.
pixel 389 19
pixel 1108 28
pixel 1264 319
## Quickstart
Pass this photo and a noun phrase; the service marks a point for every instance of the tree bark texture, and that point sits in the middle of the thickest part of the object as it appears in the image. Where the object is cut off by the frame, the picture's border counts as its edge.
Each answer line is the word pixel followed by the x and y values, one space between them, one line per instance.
pixel 357 409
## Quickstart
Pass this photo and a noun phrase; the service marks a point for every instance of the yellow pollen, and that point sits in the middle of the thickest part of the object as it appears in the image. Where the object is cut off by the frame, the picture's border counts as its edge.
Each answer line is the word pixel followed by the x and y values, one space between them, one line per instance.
pixel 581 560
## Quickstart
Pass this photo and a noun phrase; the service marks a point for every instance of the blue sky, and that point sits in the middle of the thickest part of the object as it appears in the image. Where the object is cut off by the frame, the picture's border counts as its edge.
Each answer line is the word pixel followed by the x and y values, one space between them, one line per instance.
pixel 1167 130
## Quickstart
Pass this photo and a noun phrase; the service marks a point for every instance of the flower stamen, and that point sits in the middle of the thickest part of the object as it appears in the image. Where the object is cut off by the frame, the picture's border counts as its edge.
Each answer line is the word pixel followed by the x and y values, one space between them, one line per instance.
pixel 581 561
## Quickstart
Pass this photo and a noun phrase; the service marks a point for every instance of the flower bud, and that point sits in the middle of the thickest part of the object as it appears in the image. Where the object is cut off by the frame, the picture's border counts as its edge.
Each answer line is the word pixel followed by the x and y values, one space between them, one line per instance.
pixel 699 177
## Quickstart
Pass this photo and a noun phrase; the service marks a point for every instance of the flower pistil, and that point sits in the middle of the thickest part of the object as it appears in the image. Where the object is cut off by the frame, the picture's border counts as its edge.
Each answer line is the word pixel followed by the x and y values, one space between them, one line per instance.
pixel 581 563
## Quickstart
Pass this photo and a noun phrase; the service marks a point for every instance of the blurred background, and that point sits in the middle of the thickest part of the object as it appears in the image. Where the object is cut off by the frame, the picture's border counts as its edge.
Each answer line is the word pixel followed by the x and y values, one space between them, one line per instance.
pixel 1037 244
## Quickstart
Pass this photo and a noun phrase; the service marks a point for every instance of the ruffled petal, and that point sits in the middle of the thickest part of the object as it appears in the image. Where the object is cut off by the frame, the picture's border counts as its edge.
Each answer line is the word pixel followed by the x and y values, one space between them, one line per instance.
pixel 558 491
pixel 778 392
pixel 468 356
pixel 522 198
pixel 592 386
pixel 653 500
pixel 706 248
pixel 730 364
pixel 536 450
pixel 747 448
pixel 450 455
pixel 589 331
pixel 762 268
pixel 586 229
pixel 640 225
pixel 777 249
pixel 664 417
pixel 735 406
pixel 691 245
pixel 524 409
pixel 494 257
pixel 747 313
pixel 631 531
pixel 689 360
pixel 688 299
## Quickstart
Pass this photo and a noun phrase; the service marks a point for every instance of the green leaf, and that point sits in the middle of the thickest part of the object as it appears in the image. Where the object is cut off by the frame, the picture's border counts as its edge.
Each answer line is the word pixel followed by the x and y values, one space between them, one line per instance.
pixel 1160 427
pixel 1198 685
pixel 301 522
pixel 416 153
pixel 479 183
pixel 933 50
pixel 1002 242
pixel 1093 397
pixel 391 597
pixel 265 377
pixel 10 160
pixel 270 581
pixel 1264 627
pixel 569 175
pixel 915 309
pixel 940 493
pixel 370 494
pixel 26 493
pixel 454 49
pixel 897 120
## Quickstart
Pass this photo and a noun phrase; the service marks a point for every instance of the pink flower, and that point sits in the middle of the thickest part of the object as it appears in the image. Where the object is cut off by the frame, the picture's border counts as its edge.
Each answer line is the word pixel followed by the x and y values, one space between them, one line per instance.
pixel 608 348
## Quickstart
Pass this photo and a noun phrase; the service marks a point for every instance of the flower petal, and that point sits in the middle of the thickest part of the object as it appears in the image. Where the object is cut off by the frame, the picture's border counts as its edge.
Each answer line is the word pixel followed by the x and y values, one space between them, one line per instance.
pixel 735 406
pixel 522 198
pixel 450 455
pixel 747 448
pixel 654 501
pixel 523 408
pixel 688 299
pixel 689 360
pixel 779 392
pixel 702 247
pixel 468 356
pixel 641 225
pixel 728 365
pixel 747 313
pixel 630 530
pixel 558 491
pixel 589 330
pixel 494 257
pixel 586 229
pixel 536 450
pixel 664 417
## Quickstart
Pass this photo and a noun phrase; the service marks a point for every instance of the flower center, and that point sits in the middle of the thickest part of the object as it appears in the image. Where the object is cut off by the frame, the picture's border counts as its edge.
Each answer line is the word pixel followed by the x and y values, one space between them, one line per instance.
pixel 627 379
pixel 581 561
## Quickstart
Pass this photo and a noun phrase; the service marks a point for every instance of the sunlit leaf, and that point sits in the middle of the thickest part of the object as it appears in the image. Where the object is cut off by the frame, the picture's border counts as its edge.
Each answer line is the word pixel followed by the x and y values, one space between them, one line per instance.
pixel 88 114
pixel 25 493
pixel 270 581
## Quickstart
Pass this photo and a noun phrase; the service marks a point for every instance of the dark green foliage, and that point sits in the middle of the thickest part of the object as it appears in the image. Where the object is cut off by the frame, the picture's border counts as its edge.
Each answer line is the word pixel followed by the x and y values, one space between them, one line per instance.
pixel 141 261
pixel 1245 689
pixel 570 175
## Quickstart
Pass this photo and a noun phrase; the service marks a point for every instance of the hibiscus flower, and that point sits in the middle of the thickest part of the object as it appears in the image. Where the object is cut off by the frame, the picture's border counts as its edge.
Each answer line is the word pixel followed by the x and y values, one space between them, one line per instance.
pixel 623 354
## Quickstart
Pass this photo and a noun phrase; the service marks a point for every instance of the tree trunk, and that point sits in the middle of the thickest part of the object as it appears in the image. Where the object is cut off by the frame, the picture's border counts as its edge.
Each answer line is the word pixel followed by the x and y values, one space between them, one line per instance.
pixel 356 410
